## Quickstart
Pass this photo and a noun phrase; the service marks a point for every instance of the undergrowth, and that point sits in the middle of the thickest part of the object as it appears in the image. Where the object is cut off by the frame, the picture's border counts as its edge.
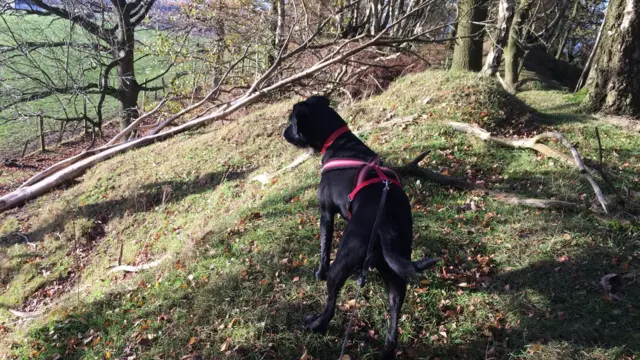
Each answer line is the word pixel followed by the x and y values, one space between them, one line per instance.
pixel 237 275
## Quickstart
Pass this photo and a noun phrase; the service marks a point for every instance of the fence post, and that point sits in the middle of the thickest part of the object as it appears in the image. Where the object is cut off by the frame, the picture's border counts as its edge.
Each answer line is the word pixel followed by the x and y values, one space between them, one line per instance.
pixel 42 145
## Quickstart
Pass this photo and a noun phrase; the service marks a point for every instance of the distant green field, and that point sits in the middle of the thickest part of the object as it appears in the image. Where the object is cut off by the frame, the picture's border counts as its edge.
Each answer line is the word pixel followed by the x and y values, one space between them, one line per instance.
pixel 61 67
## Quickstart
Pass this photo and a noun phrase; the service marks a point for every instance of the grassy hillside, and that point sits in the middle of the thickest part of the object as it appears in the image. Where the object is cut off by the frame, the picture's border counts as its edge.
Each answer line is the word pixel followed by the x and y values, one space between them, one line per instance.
pixel 236 275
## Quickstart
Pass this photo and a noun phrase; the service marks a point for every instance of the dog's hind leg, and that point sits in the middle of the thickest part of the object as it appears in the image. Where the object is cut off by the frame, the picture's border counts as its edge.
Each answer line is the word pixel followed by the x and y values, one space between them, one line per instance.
pixel 397 289
pixel 338 273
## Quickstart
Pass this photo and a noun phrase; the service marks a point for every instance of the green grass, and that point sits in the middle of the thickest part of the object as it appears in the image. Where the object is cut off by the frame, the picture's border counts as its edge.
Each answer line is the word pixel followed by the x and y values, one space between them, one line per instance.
pixel 516 282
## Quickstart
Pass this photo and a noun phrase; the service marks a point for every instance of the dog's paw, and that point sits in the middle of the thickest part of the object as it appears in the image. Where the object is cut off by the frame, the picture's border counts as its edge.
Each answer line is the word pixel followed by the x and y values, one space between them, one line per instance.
pixel 321 274
pixel 313 323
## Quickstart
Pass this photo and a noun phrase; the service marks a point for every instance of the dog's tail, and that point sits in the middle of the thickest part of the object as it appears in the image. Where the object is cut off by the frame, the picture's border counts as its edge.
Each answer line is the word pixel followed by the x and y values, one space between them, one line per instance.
pixel 405 268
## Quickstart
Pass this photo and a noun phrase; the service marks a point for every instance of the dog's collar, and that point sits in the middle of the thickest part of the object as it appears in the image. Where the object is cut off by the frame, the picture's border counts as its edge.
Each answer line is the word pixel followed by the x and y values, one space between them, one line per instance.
pixel 333 137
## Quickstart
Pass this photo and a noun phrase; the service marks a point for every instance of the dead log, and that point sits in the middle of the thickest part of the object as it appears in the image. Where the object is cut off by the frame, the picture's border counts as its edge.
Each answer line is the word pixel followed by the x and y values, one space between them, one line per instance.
pixel 533 143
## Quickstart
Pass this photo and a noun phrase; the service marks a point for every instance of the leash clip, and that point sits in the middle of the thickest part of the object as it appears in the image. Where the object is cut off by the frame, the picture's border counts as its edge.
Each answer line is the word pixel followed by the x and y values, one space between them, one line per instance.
pixel 386 185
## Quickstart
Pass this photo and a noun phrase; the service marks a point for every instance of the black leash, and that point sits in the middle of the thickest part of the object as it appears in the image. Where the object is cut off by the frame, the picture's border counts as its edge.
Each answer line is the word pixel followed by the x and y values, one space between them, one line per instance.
pixel 365 265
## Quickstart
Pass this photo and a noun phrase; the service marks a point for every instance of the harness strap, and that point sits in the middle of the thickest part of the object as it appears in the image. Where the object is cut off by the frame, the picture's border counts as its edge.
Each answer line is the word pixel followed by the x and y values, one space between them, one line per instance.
pixel 333 137
pixel 365 168
pixel 366 183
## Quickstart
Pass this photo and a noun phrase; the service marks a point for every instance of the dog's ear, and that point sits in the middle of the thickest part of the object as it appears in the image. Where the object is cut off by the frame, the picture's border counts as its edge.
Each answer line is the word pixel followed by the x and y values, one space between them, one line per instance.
pixel 318 100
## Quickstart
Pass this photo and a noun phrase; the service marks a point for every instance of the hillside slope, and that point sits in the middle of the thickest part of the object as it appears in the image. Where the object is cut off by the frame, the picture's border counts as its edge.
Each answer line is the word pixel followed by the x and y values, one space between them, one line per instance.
pixel 236 257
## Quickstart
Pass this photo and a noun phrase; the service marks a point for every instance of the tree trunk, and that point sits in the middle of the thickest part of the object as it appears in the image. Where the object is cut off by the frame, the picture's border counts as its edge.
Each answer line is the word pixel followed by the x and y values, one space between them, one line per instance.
pixel 514 51
pixel 128 87
pixel 219 50
pixel 594 51
pixel 467 54
pixel 280 25
pixel 501 36
pixel 567 29
pixel 614 80
pixel 375 16
pixel 277 29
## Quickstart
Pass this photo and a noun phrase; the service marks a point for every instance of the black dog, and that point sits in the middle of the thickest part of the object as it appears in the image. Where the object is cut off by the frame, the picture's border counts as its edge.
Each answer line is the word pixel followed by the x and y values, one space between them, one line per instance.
pixel 314 124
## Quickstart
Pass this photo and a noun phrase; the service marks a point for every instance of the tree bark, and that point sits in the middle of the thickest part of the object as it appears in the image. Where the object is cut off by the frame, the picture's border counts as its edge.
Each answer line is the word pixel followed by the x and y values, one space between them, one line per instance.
pixel 123 49
pixel 514 52
pixel 614 81
pixel 280 25
pixel 467 54
pixel 500 37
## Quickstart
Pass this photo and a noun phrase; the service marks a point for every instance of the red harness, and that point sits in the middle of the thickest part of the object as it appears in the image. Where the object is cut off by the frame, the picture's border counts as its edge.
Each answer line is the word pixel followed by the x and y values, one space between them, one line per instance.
pixel 365 168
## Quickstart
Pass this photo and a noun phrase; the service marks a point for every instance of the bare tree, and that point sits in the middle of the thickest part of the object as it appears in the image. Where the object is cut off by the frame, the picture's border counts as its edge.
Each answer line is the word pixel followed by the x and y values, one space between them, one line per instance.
pixel 111 28
pixel 566 29
pixel 515 50
pixel 499 38
pixel 325 53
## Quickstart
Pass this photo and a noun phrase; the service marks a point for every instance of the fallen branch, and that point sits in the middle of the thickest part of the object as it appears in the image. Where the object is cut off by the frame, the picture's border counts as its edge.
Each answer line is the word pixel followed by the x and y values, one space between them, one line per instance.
pixel 25 315
pixel 265 178
pixel 61 165
pixel 129 268
pixel 134 125
pixel 533 143
pixel 603 173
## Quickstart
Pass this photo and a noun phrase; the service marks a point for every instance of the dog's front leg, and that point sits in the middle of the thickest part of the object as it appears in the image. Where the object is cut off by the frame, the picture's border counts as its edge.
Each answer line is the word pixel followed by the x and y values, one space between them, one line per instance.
pixel 326 237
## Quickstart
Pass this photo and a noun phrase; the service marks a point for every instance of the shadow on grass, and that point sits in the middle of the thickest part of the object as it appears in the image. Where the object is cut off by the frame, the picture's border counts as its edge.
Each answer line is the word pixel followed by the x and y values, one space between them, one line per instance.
pixel 98 215
pixel 238 299
pixel 557 304
pixel 147 197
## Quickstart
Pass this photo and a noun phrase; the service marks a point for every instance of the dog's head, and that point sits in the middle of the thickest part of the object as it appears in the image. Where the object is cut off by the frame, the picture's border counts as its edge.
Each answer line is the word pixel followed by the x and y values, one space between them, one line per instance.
pixel 311 122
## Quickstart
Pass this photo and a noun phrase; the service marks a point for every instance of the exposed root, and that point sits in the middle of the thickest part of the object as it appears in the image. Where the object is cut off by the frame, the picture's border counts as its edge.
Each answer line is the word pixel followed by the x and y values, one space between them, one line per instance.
pixel 412 169
pixel 533 143
pixel 25 315
pixel 129 268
